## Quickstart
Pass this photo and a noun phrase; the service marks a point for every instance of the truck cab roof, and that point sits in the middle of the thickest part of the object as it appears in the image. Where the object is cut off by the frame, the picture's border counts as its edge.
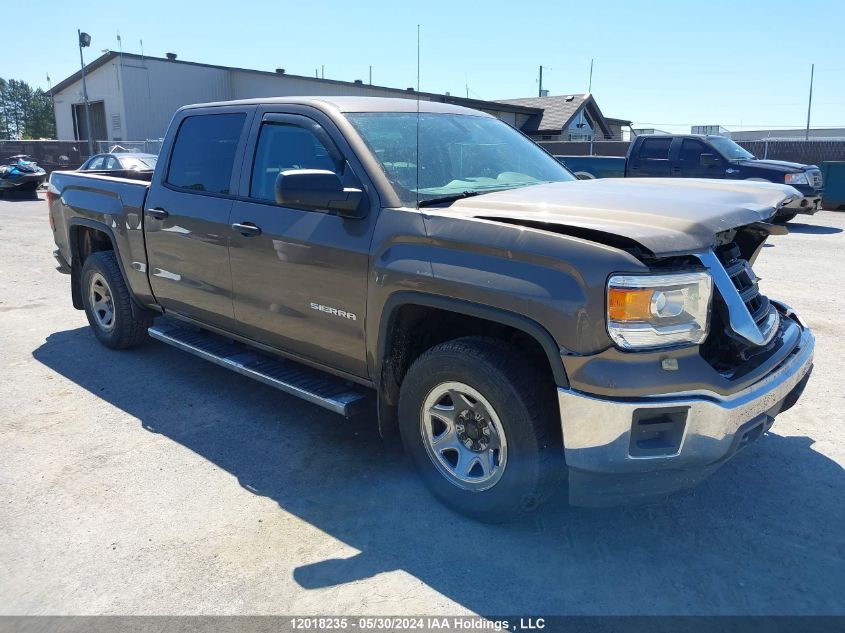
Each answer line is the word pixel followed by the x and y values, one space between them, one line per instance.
pixel 351 104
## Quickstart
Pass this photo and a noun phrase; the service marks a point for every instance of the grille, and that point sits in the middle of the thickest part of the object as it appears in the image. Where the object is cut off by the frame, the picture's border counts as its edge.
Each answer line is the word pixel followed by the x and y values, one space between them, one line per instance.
pixel 745 281
pixel 815 177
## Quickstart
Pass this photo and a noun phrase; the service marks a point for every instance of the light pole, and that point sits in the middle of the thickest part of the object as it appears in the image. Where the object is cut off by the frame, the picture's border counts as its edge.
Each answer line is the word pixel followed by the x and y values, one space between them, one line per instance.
pixel 809 103
pixel 85 40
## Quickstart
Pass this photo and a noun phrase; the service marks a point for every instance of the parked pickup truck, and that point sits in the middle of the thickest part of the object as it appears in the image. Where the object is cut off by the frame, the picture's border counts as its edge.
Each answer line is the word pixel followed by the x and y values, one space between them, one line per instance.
pixel 512 323
pixel 695 156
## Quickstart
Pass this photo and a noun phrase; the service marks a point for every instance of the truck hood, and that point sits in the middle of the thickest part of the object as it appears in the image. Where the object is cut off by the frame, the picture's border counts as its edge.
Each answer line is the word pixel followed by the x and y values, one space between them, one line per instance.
pixel 664 215
pixel 775 165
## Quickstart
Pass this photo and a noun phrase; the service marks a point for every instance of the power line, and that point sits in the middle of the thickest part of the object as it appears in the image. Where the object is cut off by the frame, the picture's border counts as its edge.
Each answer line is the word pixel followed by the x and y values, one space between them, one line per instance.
pixel 744 124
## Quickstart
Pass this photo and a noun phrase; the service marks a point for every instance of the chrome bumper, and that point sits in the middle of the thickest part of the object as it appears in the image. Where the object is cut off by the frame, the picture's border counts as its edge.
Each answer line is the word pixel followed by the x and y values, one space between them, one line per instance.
pixel 597 432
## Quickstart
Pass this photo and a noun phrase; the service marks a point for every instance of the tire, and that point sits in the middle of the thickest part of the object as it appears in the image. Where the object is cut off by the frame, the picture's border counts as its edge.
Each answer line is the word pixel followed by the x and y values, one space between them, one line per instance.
pixel 116 322
pixel 784 218
pixel 484 374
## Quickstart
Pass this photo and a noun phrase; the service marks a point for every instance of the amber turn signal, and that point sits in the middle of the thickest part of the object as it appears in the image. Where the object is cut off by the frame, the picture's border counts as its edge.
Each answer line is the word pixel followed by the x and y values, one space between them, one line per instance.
pixel 629 304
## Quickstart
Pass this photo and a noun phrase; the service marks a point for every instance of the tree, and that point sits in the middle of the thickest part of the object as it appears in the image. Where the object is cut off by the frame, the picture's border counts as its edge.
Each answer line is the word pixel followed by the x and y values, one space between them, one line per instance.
pixel 5 132
pixel 24 112
pixel 41 119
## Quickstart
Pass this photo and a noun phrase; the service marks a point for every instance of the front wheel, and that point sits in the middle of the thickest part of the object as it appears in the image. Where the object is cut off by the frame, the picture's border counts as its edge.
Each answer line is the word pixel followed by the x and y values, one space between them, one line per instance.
pixel 478 422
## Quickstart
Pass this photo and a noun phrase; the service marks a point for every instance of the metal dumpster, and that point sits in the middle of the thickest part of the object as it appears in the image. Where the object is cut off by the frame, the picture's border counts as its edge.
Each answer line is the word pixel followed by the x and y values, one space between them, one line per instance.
pixel 833 173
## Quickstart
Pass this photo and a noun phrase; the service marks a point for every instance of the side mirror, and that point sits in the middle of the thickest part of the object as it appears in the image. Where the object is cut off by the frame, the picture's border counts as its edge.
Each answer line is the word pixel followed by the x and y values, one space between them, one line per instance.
pixel 708 160
pixel 318 190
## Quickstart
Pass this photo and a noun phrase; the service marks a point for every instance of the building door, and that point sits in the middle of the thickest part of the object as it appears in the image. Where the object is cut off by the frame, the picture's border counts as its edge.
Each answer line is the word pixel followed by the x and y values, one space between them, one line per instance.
pixel 98 121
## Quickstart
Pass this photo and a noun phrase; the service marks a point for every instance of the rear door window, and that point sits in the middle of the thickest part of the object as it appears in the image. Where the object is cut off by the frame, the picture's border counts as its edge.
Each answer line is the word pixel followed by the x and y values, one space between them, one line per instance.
pixel 204 152
pixel 655 148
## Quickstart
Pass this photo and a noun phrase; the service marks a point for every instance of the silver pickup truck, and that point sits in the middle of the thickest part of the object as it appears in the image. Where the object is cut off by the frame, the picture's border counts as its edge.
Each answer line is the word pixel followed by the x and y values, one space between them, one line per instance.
pixel 428 266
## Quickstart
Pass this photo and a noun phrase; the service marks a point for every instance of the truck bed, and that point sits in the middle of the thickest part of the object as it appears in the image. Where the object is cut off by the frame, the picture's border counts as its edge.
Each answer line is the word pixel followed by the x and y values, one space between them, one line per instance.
pixel 109 203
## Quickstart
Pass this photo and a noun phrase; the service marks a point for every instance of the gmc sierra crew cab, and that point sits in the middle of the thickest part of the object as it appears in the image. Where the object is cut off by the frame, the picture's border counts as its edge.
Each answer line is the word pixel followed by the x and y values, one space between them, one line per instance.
pixel 700 156
pixel 429 267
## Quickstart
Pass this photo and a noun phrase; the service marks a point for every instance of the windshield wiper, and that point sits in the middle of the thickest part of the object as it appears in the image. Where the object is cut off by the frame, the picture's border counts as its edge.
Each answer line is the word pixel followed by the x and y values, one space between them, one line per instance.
pixel 444 199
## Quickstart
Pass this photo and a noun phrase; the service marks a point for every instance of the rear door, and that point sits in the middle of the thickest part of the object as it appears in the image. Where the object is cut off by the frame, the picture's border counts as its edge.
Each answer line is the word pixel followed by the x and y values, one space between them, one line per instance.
pixel 651 159
pixel 300 279
pixel 186 219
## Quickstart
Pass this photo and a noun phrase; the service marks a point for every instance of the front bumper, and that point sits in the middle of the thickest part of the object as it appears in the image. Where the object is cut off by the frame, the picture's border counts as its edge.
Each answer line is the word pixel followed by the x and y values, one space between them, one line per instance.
pixel 809 203
pixel 622 450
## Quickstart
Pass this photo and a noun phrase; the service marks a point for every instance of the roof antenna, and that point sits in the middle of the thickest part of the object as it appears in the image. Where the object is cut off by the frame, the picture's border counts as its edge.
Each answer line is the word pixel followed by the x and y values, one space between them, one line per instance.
pixel 418 117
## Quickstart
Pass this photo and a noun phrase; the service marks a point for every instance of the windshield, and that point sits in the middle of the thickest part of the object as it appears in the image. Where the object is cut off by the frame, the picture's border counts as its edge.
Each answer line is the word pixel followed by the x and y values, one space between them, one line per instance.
pixel 457 154
pixel 730 150
pixel 141 164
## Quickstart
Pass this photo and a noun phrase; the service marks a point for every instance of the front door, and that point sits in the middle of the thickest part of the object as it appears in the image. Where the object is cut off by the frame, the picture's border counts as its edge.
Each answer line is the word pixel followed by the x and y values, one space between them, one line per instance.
pixel 299 277
pixel 186 216
pixel 697 160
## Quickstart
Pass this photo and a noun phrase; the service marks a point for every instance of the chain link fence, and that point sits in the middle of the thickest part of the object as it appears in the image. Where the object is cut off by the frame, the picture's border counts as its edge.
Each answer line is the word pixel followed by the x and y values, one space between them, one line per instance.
pixel 812 152
pixel 150 146
pixel 51 155
pixel 58 155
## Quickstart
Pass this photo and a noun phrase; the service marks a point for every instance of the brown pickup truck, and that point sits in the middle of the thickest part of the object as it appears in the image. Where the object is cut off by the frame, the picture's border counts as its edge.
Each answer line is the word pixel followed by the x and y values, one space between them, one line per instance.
pixel 430 267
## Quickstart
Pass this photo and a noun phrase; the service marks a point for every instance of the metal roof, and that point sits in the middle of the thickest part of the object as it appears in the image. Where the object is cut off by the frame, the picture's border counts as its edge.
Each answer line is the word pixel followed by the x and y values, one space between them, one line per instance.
pixel 477 104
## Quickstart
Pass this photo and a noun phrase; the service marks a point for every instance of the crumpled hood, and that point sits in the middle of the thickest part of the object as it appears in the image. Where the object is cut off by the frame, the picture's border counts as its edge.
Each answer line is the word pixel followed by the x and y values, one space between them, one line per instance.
pixel 665 215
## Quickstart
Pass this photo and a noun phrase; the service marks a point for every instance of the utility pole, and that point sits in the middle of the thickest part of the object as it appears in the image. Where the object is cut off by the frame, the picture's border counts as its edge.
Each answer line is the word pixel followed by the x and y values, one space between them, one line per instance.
pixel 85 40
pixel 809 103
pixel 589 91
pixel 371 75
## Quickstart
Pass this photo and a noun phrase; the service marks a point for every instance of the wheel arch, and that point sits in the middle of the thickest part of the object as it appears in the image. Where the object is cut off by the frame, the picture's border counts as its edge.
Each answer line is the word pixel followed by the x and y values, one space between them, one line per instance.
pixel 86 236
pixel 400 342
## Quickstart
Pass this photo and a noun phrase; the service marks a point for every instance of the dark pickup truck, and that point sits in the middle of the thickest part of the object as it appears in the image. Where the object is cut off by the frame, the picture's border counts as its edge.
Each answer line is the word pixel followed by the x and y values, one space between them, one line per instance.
pixel 429 267
pixel 695 156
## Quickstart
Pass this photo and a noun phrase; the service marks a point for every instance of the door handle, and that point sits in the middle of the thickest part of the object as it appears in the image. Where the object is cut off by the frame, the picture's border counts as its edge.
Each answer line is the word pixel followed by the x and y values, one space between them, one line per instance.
pixel 157 213
pixel 247 229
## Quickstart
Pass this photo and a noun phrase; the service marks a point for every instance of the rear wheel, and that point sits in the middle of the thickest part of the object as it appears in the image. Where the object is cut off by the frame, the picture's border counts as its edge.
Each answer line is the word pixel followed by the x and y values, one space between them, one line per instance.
pixel 116 322
pixel 478 423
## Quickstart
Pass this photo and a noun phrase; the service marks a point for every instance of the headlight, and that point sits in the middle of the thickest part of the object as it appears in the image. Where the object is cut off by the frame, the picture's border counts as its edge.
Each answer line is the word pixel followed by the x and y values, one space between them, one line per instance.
pixel 796 179
pixel 651 311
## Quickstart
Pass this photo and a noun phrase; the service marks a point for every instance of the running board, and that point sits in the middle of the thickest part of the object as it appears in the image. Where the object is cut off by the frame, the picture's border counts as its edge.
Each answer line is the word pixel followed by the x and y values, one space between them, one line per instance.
pixel 330 392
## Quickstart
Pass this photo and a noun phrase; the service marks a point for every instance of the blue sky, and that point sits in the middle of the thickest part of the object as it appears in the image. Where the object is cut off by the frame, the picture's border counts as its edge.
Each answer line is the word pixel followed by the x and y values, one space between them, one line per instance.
pixel 665 64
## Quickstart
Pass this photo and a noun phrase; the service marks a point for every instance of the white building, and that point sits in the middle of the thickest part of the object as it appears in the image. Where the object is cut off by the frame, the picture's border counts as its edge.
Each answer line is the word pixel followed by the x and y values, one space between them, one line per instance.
pixel 133 97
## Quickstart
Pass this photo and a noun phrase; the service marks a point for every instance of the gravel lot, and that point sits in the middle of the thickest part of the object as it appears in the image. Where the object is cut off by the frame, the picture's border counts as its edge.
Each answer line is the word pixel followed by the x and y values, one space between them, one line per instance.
pixel 151 482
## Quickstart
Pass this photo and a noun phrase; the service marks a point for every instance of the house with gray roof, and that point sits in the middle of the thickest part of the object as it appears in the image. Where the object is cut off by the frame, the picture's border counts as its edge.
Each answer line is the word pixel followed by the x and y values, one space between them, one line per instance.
pixel 568 118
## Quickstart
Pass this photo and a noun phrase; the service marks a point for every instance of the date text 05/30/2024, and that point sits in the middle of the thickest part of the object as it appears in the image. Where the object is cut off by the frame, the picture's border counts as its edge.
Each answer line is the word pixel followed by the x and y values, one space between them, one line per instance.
pixel 461 623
